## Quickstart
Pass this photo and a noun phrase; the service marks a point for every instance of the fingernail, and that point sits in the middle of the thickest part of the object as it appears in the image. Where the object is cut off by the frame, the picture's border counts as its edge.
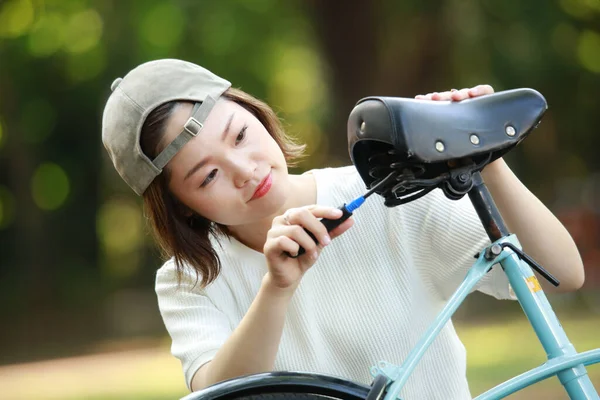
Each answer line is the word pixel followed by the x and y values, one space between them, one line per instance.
pixel 326 240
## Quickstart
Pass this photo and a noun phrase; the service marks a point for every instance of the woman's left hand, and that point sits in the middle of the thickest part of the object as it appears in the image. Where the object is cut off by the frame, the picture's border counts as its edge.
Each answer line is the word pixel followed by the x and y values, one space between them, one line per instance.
pixel 458 95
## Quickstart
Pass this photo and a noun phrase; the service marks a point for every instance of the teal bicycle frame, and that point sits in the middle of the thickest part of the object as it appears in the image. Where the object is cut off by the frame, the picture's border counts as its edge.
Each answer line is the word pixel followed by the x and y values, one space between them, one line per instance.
pixel 563 360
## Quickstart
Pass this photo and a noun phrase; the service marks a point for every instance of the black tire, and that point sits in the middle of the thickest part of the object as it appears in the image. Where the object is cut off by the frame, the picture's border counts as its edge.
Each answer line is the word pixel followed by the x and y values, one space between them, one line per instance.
pixel 281 386
pixel 290 396
pixel 378 386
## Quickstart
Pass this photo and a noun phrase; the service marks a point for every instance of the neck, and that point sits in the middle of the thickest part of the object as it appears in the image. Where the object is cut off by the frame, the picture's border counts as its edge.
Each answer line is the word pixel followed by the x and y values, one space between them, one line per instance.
pixel 302 192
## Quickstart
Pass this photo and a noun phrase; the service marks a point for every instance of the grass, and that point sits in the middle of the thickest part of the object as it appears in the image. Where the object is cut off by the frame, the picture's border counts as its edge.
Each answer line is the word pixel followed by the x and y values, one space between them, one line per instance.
pixel 496 352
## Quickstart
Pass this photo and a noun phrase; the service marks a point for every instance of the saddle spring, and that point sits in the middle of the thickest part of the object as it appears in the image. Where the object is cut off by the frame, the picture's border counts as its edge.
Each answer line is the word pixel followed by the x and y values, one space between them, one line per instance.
pixel 408 183
pixel 413 181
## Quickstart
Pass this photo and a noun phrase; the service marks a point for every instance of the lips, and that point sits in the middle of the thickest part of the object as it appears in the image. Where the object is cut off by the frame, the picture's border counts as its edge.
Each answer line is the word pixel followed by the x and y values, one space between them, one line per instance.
pixel 263 187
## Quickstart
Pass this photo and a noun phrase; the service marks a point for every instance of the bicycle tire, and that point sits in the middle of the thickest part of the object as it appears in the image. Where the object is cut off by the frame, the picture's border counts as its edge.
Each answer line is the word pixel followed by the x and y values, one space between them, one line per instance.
pixel 378 386
pixel 282 386
pixel 288 396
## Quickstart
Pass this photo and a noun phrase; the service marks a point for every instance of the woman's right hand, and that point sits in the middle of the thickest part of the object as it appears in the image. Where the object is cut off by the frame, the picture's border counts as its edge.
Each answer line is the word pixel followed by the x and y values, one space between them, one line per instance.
pixel 287 234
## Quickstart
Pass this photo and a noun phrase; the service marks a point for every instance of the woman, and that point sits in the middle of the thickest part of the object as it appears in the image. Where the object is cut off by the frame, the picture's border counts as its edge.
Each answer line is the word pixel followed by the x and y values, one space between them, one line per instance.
pixel 211 164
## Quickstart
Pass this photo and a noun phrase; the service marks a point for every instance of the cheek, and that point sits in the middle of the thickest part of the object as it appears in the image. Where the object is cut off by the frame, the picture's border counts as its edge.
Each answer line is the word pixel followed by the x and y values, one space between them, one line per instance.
pixel 269 144
pixel 212 206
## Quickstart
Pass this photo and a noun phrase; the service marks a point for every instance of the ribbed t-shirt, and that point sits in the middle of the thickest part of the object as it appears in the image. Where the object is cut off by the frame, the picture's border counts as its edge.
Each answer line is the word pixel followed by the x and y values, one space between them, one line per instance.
pixel 369 297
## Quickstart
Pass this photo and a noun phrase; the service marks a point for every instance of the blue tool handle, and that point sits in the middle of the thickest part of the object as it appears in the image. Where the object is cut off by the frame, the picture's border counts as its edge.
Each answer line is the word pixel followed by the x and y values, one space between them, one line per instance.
pixel 330 224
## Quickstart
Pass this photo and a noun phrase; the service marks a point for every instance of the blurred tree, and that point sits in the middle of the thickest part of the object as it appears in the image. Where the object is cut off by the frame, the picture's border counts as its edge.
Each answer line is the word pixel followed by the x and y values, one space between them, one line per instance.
pixel 378 48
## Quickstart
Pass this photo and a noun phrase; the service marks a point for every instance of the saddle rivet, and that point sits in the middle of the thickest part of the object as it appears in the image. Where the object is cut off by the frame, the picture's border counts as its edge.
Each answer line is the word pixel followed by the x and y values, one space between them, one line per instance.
pixel 510 131
pixel 363 127
pixel 439 146
pixel 474 139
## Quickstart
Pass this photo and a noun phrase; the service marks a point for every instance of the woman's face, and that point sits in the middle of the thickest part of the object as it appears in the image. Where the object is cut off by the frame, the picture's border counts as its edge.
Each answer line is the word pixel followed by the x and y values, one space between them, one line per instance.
pixel 233 172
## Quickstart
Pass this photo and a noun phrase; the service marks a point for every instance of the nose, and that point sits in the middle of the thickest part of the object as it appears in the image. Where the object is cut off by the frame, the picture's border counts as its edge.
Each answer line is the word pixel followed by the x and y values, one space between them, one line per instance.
pixel 243 171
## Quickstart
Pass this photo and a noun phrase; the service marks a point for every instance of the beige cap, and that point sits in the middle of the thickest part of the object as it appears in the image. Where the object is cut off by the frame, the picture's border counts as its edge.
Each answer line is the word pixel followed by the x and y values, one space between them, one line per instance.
pixel 142 90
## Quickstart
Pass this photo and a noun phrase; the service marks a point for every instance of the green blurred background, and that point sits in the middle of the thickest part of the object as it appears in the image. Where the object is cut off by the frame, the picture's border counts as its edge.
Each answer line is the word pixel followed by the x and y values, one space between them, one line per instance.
pixel 79 317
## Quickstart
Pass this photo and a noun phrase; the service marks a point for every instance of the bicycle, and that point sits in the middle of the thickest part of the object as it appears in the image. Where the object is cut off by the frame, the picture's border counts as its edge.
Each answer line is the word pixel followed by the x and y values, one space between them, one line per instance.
pixel 423 146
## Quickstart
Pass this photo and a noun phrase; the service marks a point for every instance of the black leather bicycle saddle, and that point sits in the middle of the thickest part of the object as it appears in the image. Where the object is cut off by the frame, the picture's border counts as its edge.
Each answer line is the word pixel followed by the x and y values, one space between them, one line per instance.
pixel 429 138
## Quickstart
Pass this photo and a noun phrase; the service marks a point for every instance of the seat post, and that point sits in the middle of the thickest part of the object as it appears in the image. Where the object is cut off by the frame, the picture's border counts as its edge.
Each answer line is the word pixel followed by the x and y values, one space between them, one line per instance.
pixel 486 209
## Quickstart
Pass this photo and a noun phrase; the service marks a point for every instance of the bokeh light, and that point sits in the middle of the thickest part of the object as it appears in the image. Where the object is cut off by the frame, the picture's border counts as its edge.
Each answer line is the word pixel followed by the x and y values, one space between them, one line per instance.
pixel 298 82
pixel 16 17
pixel 588 50
pixel 47 35
pixel 119 225
pixel 50 186
pixel 83 31
pixel 581 9
pixel 162 25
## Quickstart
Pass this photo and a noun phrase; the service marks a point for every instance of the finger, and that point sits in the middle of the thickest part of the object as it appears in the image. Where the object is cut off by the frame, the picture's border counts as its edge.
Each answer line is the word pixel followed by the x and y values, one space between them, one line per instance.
pixel 307 218
pixel 326 212
pixel 343 227
pixel 420 97
pixel 300 236
pixel 280 220
pixel 461 94
pixel 278 247
pixel 442 96
pixel 318 211
pixel 481 90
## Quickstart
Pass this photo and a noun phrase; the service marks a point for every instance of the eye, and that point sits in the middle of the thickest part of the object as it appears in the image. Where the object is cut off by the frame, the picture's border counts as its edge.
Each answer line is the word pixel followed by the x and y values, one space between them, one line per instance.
pixel 241 135
pixel 209 178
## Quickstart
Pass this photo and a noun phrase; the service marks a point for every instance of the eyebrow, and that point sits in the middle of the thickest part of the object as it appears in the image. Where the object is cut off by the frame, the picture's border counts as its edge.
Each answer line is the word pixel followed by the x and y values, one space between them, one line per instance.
pixel 203 162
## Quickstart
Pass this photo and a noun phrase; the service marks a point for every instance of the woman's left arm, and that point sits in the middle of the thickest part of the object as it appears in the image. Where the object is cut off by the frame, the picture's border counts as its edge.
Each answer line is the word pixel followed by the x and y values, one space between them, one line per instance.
pixel 541 234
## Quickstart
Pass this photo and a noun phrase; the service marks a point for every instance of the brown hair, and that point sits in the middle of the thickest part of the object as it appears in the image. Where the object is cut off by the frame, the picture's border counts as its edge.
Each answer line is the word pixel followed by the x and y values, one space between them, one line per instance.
pixel 185 237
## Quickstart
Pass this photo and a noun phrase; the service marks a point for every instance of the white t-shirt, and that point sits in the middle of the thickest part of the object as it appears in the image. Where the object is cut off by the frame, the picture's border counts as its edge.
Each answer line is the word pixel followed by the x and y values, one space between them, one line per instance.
pixel 370 296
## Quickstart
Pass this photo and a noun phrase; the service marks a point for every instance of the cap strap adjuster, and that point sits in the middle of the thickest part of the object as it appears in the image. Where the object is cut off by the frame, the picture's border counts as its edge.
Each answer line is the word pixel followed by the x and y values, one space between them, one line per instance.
pixel 193 126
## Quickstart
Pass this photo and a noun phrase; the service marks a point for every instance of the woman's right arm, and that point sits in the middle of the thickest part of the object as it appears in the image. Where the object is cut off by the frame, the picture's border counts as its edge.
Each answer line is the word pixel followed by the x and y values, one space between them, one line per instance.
pixel 253 345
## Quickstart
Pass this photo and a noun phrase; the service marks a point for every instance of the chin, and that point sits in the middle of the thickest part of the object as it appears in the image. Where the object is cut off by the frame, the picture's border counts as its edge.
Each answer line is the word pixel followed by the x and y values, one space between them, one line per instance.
pixel 269 208
pixel 273 202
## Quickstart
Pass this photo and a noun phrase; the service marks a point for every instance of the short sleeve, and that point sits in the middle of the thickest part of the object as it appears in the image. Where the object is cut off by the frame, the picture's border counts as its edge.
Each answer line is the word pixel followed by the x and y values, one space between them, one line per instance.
pixel 196 326
pixel 455 235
